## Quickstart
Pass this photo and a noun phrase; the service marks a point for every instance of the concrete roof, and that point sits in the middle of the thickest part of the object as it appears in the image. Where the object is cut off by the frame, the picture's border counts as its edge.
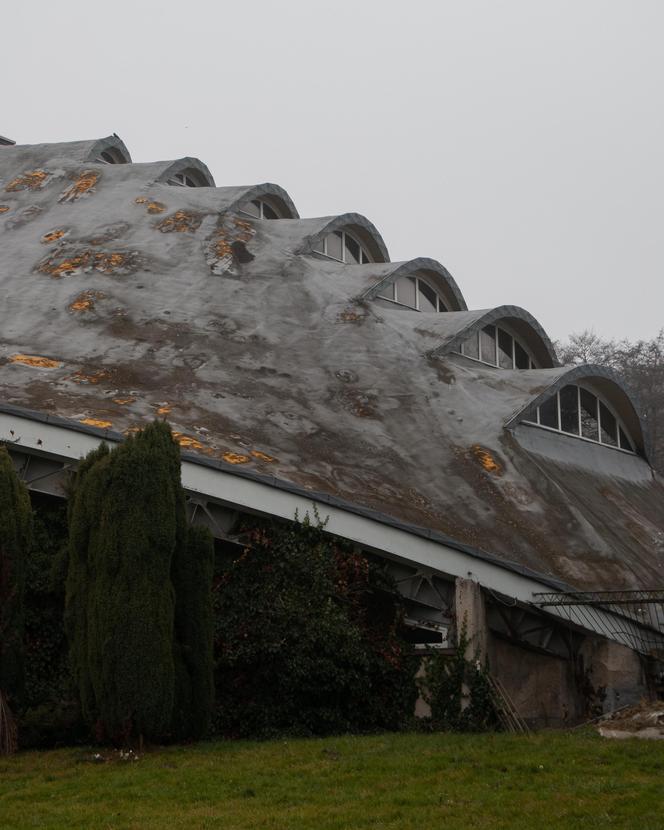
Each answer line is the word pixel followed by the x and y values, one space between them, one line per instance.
pixel 126 299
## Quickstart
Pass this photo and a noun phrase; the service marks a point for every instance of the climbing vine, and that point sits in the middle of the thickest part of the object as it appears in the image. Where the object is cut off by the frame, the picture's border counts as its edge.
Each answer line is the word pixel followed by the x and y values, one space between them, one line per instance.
pixel 458 691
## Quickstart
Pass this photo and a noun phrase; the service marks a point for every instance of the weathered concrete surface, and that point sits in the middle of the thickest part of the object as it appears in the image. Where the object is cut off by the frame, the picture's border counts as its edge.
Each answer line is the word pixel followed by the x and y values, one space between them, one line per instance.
pixel 615 672
pixel 470 613
pixel 541 687
pixel 124 299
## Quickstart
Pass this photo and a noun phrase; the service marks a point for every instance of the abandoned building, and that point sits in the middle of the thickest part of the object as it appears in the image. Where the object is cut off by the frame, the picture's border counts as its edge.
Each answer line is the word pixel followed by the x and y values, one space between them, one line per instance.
pixel 300 367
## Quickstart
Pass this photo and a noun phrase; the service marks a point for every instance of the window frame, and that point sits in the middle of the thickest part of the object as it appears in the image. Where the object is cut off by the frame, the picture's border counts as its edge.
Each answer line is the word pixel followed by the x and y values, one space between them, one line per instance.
pixel 417 278
pixel 183 179
pixel 620 424
pixel 261 204
pixel 365 256
pixel 114 156
pixel 506 329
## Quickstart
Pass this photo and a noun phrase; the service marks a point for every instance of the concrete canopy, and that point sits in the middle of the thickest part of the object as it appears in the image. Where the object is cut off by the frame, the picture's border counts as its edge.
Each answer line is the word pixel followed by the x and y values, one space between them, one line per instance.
pixel 126 299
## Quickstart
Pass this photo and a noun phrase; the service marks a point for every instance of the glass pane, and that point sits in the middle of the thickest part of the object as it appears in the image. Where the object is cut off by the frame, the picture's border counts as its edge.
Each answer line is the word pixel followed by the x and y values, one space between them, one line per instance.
pixel 335 245
pixel 428 297
pixel 365 256
pixel 252 208
pixel 189 181
pixel 488 344
pixel 505 350
pixel 471 346
pixel 589 425
pixel 625 443
pixel 521 356
pixel 388 292
pixel 320 247
pixel 441 305
pixel 569 409
pixel 352 250
pixel 608 426
pixel 268 212
pixel 548 413
pixel 406 291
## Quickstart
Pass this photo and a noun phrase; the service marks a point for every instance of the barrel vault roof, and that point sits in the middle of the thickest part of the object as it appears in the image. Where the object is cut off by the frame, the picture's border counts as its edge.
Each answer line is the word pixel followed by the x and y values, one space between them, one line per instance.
pixel 126 299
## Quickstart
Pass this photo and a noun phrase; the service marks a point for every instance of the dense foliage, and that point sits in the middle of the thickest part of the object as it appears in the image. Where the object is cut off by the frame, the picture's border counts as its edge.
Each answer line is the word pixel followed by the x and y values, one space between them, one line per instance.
pixel 15 537
pixel 194 629
pixel 302 634
pixel 308 638
pixel 51 710
pixel 127 524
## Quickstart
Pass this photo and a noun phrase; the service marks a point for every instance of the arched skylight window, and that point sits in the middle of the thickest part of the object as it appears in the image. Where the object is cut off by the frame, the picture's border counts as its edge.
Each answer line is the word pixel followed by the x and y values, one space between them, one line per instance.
pixel 187 178
pixel 344 247
pixel 259 209
pixel 496 346
pixel 111 155
pixel 414 292
pixel 576 410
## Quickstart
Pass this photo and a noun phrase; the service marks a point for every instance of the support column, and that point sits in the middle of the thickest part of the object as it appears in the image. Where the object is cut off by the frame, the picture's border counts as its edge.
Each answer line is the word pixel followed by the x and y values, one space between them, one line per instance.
pixel 470 611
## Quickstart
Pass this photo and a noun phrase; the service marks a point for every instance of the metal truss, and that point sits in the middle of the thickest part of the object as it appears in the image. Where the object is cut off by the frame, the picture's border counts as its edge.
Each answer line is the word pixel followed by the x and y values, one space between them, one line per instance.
pixel 632 617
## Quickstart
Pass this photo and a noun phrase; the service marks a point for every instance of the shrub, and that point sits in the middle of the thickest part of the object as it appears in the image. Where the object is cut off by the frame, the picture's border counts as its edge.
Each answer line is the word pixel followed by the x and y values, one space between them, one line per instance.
pixel 298 649
pixel 194 662
pixel 51 713
pixel 15 537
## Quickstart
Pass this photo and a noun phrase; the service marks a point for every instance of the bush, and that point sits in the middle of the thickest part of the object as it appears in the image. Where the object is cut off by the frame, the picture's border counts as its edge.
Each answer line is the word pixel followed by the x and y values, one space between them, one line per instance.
pixel 297 647
pixel 194 631
pixel 15 537
pixel 51 712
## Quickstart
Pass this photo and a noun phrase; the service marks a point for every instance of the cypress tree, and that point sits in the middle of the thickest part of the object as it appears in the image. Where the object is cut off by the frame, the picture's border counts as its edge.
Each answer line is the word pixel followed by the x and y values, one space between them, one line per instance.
pixel 192 573
pixel 15 536
pixel 83 509
pixel 127 518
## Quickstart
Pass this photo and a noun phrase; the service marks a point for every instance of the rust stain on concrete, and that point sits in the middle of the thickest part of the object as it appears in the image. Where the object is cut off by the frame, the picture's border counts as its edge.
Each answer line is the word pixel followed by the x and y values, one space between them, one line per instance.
pixel 33 180
pixel 486 459
pixel 94 377
pixel 86 301
pixel 96 422
pixel 53 236
pixel 106 262
pixel 187 441
pixel 261 456
pixel 181 221
pixel 83 185
pixel 235 458
pixel 36 361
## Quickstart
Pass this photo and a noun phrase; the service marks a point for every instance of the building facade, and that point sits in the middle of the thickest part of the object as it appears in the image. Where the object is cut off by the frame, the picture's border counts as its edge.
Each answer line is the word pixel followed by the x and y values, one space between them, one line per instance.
pixel 300 367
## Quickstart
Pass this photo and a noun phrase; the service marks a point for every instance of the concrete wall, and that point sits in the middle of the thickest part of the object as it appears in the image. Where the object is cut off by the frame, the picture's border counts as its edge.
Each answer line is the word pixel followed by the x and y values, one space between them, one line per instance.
pixel 546 690
pixel 541 687
pixel 614 672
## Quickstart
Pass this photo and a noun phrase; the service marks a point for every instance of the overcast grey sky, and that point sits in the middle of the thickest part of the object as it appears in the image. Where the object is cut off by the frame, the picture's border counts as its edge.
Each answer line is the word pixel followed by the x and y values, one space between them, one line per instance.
pixel 520 143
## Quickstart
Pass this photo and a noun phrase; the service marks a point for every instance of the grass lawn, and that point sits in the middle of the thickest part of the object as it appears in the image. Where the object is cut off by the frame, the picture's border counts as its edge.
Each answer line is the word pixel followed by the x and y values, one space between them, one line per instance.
pixel 547 780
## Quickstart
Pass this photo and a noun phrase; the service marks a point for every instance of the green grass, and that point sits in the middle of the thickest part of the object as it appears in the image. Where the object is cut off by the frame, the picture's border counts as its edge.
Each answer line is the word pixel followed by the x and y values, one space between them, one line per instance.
pixel 549 780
